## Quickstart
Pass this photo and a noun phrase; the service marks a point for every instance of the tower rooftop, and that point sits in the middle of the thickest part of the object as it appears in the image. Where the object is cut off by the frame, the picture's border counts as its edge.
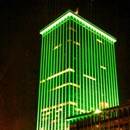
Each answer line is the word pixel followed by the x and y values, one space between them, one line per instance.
pixel 85 23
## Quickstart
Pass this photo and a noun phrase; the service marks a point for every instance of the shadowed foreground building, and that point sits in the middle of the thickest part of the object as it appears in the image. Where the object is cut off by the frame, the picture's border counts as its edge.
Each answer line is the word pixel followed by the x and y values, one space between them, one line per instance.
pixel 77 71
pixel 115 118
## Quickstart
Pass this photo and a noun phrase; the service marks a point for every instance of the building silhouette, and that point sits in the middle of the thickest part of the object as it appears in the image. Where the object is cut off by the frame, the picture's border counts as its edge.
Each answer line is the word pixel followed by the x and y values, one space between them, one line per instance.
pixel 77 71
pixel 114 118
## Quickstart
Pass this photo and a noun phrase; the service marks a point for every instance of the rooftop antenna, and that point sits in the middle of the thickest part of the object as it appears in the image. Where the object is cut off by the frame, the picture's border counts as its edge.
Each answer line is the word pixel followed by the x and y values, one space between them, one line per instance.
pixel 77 11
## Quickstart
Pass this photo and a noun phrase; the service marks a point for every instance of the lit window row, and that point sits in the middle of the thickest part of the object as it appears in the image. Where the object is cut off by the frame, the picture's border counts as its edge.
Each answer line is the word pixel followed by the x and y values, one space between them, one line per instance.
pixel 66 84
pixel 89 77
pixel 59 110
pixel 103 67
pixel 44 118
pixel 98 40
pixel 78 109
pixel 71 28
pixel 46 114
pixel 54 121
pixel 77 43
pixel 60 105
pixel 49 112
pixel 60 73
pixel 56 47
pixel 42 81
pixel 104 105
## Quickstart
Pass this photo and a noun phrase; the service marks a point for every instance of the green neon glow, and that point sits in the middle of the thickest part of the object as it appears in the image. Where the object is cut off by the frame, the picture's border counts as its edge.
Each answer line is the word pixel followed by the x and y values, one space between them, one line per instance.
pixel 76 76
pixel 84 22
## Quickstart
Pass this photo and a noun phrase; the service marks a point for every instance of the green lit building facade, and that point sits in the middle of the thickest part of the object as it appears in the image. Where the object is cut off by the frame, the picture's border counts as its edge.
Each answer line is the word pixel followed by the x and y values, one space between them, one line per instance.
pixel 77 71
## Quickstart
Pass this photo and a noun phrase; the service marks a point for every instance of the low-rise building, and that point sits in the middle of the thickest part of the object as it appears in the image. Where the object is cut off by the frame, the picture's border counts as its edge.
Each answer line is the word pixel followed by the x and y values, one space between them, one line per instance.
pixel 115 118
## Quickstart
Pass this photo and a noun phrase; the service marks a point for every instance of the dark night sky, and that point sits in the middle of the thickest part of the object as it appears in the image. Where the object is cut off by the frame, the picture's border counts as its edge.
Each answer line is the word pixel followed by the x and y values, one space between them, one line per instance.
pixel 20 43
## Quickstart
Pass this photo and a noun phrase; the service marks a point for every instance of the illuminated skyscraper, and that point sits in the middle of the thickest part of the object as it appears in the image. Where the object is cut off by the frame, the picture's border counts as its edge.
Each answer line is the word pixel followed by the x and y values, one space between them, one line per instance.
pixel 77 71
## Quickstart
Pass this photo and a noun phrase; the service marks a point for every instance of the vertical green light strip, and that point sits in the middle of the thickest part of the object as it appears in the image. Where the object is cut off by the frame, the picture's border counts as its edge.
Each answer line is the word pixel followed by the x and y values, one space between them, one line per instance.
pixel 55 71
pixel 63 68
pixel 79 50
pixel 76 64
pixel 52 81
pixel 60 77
pixel 112 73
pixel 104 73
pixel 91 70
pixel 72 63
pixel 56 83
pixel 115 73
pixel 47 75
pixel 89 92
pixel 55 79
pixel 95 74
pixel 101 73
pixel 86 61
pixel 98 74
pixel 66 98
pixel 49 82
pixel 69 55
pixel 83 68
pixel 111 78
pixel 73 39
pixel 96 71
pixel 100 79
pixel 108 75
pixel 48 98
pixel 46 72
pixel 43 76
pixel 63 45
